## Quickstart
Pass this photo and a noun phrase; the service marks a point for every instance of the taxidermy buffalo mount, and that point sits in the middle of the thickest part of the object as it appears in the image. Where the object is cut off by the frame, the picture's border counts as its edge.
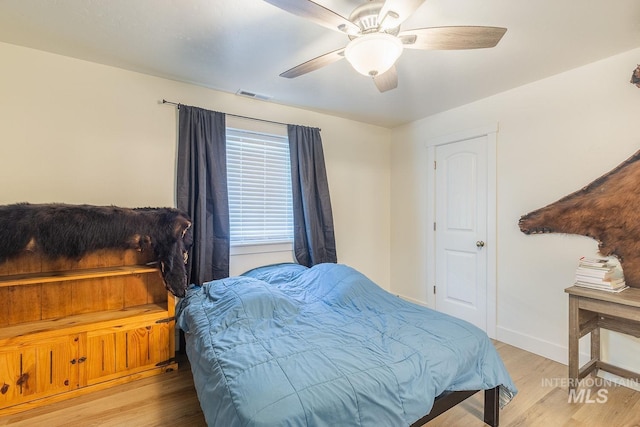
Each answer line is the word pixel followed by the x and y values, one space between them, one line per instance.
pixel 61 230
pixel 607 210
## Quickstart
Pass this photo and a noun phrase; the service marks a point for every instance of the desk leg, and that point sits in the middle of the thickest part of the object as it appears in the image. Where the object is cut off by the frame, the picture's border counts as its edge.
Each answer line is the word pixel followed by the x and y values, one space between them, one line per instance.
pixel 574 337
pixel 595 348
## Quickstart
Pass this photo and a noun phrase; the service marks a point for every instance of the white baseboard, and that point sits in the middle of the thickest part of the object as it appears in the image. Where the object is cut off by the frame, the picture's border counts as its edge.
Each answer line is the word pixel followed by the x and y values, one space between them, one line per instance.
pixel 415 301
pixel 555 352
pixel 625 382
pixel 534 345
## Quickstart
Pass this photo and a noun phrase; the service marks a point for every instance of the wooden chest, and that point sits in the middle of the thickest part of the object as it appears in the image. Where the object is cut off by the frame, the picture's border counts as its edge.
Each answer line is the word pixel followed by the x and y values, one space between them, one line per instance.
pixel 68 327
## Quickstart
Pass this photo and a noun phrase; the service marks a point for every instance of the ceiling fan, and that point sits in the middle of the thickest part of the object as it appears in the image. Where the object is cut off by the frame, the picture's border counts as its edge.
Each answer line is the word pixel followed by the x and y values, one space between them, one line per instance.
pixel 376 41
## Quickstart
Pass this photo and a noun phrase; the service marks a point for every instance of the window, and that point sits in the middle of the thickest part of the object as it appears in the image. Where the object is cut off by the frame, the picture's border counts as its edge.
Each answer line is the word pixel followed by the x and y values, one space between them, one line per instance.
pixel 259 183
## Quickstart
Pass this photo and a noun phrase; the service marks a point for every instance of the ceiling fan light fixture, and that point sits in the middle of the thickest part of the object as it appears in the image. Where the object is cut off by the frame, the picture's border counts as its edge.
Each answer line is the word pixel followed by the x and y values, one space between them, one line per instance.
pixel 373 54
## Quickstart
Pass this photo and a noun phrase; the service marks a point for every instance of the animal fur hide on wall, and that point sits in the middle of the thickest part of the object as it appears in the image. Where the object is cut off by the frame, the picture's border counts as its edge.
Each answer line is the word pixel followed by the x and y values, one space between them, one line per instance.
pixel 60 230
pixel 607 210
pixel 635 76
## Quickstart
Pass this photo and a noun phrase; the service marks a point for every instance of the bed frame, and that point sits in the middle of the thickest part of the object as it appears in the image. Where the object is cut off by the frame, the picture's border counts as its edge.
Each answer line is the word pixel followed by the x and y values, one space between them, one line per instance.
pixel 448 400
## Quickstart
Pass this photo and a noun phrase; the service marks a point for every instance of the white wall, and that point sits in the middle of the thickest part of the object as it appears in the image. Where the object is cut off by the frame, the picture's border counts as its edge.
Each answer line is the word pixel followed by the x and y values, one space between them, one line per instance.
pixel 555 136
pixel 78 132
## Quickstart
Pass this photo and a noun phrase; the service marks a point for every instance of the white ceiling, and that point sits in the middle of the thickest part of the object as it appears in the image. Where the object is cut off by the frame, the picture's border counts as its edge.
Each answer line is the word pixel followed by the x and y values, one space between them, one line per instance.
pixel 245 44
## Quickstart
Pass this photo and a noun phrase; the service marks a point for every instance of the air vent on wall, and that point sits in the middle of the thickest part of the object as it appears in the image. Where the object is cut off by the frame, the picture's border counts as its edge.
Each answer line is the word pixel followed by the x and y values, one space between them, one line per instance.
pixel 253 95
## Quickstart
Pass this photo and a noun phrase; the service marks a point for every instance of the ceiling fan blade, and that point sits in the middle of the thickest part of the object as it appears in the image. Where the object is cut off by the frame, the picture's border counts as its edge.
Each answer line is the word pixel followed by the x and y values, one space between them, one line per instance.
pixel 387 80
pixel 395 12
pixel 453 37
pixel 314 64
pixel 318 14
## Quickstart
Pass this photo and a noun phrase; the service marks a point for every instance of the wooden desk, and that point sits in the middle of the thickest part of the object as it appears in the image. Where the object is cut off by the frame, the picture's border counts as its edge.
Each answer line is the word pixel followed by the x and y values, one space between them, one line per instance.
pixel 590 310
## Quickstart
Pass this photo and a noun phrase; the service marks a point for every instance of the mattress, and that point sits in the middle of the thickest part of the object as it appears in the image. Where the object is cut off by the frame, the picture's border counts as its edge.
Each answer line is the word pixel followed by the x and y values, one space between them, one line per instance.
pixel 288 345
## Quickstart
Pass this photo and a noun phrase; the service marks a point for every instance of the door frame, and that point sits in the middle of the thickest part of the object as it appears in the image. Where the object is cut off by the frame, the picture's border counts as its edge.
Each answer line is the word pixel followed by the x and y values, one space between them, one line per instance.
pixel 490 132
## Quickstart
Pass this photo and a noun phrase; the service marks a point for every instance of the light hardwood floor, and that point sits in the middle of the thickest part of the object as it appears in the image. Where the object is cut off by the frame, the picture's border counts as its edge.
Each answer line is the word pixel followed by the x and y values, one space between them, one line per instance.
pixel 170 400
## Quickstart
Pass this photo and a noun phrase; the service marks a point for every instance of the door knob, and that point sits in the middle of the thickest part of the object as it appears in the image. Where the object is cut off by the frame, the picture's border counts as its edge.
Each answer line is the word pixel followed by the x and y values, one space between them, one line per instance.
pixel 480 244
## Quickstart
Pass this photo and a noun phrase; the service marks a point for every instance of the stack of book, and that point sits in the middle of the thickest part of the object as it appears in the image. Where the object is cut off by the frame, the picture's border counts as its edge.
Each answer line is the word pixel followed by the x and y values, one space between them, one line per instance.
pixel 600 273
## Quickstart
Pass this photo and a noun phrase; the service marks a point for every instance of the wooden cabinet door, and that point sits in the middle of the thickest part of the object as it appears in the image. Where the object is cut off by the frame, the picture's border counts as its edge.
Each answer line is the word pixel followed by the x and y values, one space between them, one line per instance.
pixel 148 346
pixel 10 375
pixel 112 354
pixel 57 365
pixel 102 355
pixel 39 370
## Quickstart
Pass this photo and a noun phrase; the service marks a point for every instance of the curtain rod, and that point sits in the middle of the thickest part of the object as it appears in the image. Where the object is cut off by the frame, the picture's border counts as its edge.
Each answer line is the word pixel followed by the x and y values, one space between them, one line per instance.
pixel 164 101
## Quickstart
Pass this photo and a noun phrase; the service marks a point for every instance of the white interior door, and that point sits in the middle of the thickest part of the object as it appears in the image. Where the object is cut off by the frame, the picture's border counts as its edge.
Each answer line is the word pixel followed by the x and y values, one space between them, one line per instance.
pixel 461 230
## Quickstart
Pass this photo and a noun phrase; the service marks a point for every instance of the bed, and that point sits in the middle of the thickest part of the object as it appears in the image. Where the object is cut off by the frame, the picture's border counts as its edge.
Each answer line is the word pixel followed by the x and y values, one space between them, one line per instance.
pixel 325 346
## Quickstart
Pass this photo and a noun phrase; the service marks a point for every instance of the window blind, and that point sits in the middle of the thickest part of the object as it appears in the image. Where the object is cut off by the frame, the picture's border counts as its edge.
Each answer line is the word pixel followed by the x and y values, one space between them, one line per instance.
pixel 259 184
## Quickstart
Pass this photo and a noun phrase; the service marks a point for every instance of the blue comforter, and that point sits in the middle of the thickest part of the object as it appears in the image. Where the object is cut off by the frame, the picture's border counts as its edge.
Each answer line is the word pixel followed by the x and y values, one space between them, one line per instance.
pixel 325 346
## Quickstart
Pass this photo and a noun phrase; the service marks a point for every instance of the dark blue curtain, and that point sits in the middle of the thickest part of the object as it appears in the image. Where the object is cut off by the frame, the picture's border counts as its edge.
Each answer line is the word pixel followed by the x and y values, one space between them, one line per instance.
pixel 202 190
pixel 314 240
